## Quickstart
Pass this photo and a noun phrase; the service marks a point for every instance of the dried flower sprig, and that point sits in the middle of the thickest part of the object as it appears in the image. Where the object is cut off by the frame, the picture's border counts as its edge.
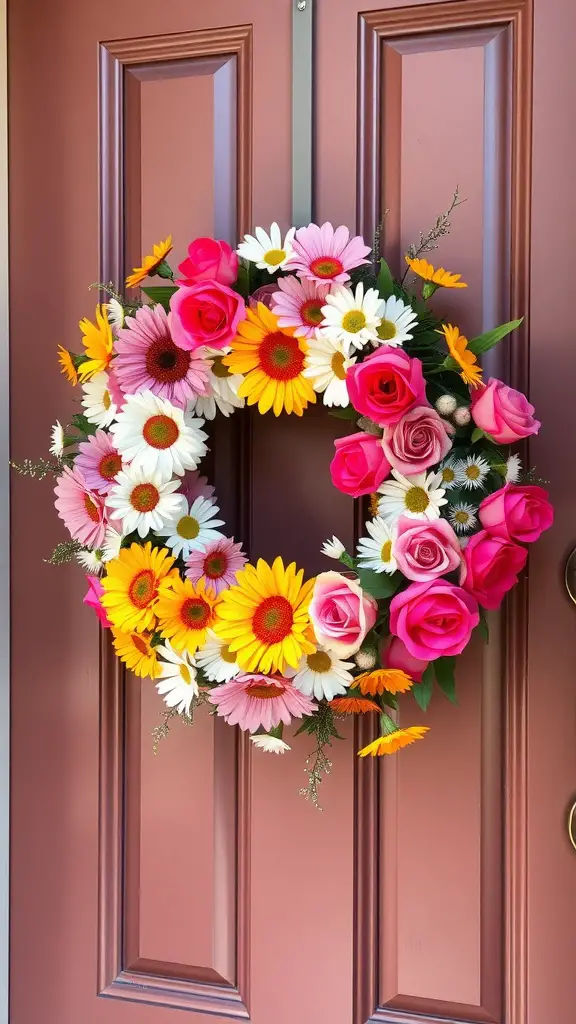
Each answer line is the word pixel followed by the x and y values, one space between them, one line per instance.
pixel 441 227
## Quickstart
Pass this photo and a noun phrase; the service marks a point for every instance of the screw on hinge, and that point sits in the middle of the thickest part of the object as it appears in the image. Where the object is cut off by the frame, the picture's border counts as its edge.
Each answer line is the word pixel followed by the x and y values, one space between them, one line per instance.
pixel 301 5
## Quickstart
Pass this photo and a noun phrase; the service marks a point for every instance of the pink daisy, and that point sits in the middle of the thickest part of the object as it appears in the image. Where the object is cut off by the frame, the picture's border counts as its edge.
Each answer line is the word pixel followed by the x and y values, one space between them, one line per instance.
pixel 217 564
pixel 149 360
pixel 116 394
pixel 99 462
pixel 81 509
pixel 324 254
pixel 299 304
pixel 254 700
pixel 194 486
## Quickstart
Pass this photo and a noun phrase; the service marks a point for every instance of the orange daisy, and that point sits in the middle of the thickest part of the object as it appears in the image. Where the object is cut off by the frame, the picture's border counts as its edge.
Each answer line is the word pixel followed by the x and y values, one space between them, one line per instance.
pixel 441 278
pixel 393 680
pixel 150 263
pixel 394 741
pixel 470 371
pixel 352 705
pixel 67 365
pixel 98 342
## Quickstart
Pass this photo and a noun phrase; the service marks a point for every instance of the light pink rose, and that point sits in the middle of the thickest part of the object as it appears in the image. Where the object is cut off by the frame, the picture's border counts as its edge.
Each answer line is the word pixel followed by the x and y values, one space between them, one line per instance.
pixel 359 465
pixel 207 313
pixel 490 568
pixel 433 620
pixel 503 413
pixel 419 440
pixel 425 550
pixel 263 294
pixel 92 599
pixel 385 385
pixel 341 613
pixel 394 654
pixel 517 513
pixel 209 260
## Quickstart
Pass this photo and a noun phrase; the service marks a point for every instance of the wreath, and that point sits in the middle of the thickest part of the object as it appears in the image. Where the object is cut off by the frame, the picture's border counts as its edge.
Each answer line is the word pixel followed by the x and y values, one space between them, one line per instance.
pixel 281 323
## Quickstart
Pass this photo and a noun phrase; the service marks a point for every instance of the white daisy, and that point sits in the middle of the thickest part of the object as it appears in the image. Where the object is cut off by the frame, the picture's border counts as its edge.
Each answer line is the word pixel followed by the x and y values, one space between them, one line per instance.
pixel 271 744
pixel 472 471
pixel 115 314
pixel 449 472
pixel 112 544
pixel 325 364
pixel 377 551
pixel 333 548
pixel 142 501
pixel 218 664
pixel 191 527
pixel 177 683
pixel 97 401
pixel 267 250
pixel 154 435
pixel 351 316
pixel 322 675
pixel 57 446
pixel 222 392
pixel 92 561
pixel 513 469
pixel 418 497
pixel 398 321
pixel 462 516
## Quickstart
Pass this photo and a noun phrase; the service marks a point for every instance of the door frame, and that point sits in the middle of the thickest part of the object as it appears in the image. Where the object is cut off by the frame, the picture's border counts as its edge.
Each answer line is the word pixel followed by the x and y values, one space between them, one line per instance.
pixel 4 536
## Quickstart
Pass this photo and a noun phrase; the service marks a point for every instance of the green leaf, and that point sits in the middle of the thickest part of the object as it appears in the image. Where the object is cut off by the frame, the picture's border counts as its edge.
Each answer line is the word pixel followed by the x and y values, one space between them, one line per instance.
pixel 242 285
pixel 444 671
pixel 161 293
pixel 379 584
pixel 477 433
pixel 483 626
pixel 83 425
pixel 385 281
pixel 389 700
pixel 346 413
pixel 486 341
pixel 423 691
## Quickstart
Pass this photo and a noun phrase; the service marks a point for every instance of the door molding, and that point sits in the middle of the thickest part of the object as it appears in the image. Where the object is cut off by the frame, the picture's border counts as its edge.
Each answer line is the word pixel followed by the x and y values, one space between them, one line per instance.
pixel 5 539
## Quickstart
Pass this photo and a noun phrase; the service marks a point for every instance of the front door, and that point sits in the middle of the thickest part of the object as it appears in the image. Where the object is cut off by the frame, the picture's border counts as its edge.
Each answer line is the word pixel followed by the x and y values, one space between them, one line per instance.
pixel 440 886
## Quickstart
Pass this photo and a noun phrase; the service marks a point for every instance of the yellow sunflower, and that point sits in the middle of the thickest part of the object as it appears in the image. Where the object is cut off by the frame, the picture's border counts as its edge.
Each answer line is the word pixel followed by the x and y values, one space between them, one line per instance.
pixel 470 372
pixel 393 680
pixel 186 612
pixel 97 340
pixel 149 263
pixel 394 741
pixel 131 586
pixel 67 365
pixel 264 618
pixel 441 278
pixel 271 359
pixel 137 653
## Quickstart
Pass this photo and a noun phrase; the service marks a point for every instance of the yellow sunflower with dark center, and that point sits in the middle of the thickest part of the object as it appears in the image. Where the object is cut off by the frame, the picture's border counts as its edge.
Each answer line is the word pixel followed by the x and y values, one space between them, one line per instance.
pixel 271 360
pixel 137 653
pixel 67 365
pixel 264 618
pixel 394 741
pixel 441 278
pixel 186 611
pixel 391 680
pixel 150 263
pixel 457 344
pixel 97 340
pixel 131 586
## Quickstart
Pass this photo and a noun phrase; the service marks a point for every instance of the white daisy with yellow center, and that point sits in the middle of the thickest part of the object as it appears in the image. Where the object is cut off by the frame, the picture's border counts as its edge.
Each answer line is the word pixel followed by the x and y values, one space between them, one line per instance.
pixel 321 675
pixel 472 471
pixel 351 317
pixel 462 516
pixel 142 501
pixel 397 322
pixel 191 527
pixel 222 394
pixel 156 436
pixel 376 552
pixel 325 365
pixel 417 497
pixel 450 473
pixel 267 250
pixel 97 401
pixel 177 678
pixel 216 660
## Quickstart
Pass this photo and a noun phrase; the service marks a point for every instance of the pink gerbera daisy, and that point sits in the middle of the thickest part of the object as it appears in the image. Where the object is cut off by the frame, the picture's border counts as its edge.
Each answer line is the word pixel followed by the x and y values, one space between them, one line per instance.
pixel 99 462
pixel 299 304
pixel 149 360
pixel 253 701
pixel 217 564
pixel 81 509
pixel 116 394
pixel 194 486
pixel 323 254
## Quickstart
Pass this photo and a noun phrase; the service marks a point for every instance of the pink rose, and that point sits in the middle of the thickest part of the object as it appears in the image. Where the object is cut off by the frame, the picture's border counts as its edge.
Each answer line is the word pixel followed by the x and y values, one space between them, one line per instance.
pixel 263 294
pixel 490 568
pixel 425 550
pixel 92 599
pixel 503 413
pixel 419 440
pixel 207 313
pixel 517 513
pixel 341 613
pixel 209 260
pixel 394 654
pixel 359 466
pixel 386 385
pixel 434 620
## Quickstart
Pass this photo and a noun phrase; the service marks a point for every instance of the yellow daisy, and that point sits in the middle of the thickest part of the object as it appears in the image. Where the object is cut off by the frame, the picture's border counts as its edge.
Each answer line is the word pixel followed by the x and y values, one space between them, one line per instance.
pixel 393 680
pixel 271 359
pixel 149 263
pixel 470 372
pixel 137 653
pixel 394 741
pixel 97 340
pixel 264 618
pixel 131 586
pixel 442 278
pixel 186 612
pixel 67 365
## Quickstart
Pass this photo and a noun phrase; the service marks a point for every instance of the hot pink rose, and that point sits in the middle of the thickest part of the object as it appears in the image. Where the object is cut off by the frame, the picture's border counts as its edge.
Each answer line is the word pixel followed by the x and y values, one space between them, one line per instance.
pixel 425 550
pixel 209 260
pixel 386 385
pixel 207 313
pixel 92 599
pixel 517 513
pixel 394 654
pixel 433 620
pixel 359 466
pixel 419 440
pixel 490 568
pixel 503 413
pixel 341 613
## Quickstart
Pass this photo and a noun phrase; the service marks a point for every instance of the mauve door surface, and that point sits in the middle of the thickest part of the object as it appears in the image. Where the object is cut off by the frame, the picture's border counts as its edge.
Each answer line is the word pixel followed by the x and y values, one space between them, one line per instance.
pixel 440 885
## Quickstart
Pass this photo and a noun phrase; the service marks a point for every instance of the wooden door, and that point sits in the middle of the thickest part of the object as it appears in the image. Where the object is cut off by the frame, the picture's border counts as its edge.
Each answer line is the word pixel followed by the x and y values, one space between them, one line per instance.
pixel 442 885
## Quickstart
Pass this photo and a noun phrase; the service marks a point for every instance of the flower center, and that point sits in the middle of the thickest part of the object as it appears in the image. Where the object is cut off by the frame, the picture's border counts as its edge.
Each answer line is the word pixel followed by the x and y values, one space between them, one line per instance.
pixel 462 517
pixel 185 674
pixel 273 620
pixel 319 661
pixel 166 362
pixel 264 692
pixel 144 497
pixel 218 368
pixel 109 466
pixel 140 644
pixel 326 267
pixel 416 499
pixel 386 551
pixel 92 509
pixel 160 432
pixel 215 566
pixel 106 400
pixel 227 656
pixel 472 472
pixel 374 502
pixel 281 357
pixel 274 257
pixel 311 312
pixel 337 365
pixel 353 321
pixel 142 589
pixel 387 330
pixel 195 613
pixel 448 475
pixel 188 528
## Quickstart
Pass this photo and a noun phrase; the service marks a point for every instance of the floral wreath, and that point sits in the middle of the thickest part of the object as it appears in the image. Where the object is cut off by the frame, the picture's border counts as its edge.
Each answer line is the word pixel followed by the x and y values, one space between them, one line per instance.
pixel 277 324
